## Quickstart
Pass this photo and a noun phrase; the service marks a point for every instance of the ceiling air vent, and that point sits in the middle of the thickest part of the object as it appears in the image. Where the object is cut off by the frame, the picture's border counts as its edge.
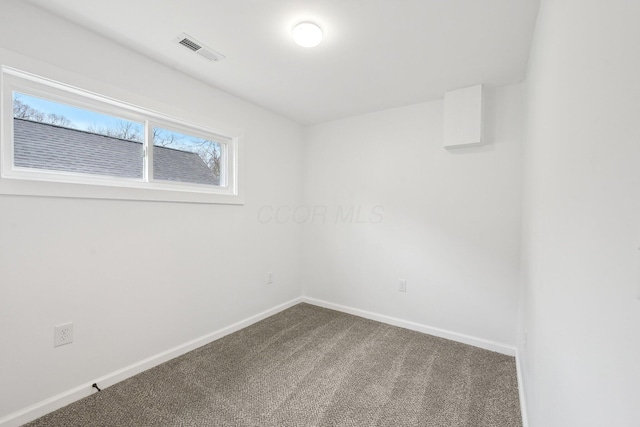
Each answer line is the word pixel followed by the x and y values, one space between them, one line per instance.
pixel 195 46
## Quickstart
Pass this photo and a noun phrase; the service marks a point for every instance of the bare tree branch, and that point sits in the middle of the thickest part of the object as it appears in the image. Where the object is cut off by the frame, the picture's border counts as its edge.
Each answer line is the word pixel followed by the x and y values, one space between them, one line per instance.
pixel 22 110
pixel 209 152
pixel 162 138
pixel 123 130
pixel 58 119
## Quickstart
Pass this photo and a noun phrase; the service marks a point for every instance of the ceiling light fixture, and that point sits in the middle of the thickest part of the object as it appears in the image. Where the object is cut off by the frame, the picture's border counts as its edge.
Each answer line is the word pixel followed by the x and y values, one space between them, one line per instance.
pixel 307 34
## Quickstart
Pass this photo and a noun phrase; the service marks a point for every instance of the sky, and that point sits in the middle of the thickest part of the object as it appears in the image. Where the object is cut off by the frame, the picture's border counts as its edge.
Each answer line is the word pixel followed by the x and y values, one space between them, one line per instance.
pixel 80 118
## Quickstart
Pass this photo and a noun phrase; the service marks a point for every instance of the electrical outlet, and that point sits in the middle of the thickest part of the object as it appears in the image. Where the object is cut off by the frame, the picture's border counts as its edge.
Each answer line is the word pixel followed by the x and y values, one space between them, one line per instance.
pixel 62 334
pixel 269 278
pixel 403 286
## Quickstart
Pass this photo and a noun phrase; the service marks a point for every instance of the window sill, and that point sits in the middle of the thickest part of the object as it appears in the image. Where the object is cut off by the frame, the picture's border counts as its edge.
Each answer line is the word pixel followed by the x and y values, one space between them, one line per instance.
pixel 19 187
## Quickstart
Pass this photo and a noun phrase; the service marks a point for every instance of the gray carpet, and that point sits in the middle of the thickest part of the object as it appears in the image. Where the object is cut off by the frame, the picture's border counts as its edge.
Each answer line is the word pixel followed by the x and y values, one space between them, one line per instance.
pixel 309 366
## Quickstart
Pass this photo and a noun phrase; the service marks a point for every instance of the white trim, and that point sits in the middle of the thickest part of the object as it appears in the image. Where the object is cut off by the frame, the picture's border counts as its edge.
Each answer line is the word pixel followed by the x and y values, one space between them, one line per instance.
pixel 43 407
pixel 521 391
pixel 431 330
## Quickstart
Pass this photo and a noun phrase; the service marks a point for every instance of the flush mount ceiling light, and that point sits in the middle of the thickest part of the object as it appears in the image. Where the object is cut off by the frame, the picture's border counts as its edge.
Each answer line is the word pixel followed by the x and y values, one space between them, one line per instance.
pixel 307 34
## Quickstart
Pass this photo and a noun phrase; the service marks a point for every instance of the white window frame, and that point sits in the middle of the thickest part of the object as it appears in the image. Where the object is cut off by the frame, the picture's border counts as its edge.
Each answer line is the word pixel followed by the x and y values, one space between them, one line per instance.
pixel 42 182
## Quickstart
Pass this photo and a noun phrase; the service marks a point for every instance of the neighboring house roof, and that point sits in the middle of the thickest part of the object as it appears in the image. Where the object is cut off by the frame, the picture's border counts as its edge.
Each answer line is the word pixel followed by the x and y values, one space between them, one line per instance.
pixel 44 146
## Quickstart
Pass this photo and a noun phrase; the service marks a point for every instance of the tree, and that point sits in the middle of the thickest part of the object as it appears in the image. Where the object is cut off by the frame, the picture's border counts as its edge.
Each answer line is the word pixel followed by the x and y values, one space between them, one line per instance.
pixel 58 120
pixel 24 111
pixel 163 138
pixel 123 130
pixel 210 154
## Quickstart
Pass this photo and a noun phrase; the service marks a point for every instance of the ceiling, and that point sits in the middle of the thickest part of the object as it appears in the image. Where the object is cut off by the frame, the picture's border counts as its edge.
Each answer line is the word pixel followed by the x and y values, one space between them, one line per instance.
pixel 376 54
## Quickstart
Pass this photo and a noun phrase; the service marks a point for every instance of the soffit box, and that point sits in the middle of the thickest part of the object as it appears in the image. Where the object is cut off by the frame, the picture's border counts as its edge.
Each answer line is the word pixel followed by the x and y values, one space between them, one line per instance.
pixel 463 117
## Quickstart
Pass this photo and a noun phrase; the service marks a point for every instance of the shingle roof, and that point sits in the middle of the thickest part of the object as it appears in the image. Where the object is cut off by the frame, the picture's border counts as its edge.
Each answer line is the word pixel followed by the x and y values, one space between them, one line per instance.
pixel 44 146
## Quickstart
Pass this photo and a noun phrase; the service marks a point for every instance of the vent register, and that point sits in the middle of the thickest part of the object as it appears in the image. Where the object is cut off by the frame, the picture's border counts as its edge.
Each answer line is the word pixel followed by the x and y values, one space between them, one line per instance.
pixel 199 48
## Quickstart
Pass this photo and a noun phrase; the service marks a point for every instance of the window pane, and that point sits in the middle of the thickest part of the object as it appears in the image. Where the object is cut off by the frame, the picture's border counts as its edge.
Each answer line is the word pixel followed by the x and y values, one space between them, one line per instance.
pixel 185 158
pixel 57 137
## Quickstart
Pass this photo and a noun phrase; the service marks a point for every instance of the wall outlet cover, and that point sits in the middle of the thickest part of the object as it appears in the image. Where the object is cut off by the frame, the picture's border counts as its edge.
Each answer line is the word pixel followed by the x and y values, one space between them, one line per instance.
pixel 62 334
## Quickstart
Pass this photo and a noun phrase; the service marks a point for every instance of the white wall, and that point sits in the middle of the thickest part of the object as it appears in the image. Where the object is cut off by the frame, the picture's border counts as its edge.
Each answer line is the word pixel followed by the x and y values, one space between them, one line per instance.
pixel 582 222
pixel 136 278
pixel 447 221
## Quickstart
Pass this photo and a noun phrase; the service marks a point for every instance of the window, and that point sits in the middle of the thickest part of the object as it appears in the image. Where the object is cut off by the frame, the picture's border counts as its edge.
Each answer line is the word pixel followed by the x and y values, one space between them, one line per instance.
pixel 85 142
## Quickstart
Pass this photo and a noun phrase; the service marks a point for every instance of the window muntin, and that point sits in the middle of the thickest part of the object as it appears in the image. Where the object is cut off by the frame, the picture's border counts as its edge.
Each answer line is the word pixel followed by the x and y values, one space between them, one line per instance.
pixel 224 144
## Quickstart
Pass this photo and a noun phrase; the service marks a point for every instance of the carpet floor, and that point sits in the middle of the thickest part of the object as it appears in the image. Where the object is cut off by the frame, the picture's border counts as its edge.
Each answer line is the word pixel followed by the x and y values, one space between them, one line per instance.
pixel 310 366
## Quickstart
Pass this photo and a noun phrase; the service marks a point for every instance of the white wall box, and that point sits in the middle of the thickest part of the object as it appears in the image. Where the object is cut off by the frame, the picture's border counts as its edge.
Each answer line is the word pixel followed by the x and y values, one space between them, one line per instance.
pixel 463 117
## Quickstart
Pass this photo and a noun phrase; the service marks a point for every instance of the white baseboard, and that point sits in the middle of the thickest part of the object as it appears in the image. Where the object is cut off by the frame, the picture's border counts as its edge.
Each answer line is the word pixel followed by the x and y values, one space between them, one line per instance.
pixel 431 330
pixel 41 408
pixel 521 393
